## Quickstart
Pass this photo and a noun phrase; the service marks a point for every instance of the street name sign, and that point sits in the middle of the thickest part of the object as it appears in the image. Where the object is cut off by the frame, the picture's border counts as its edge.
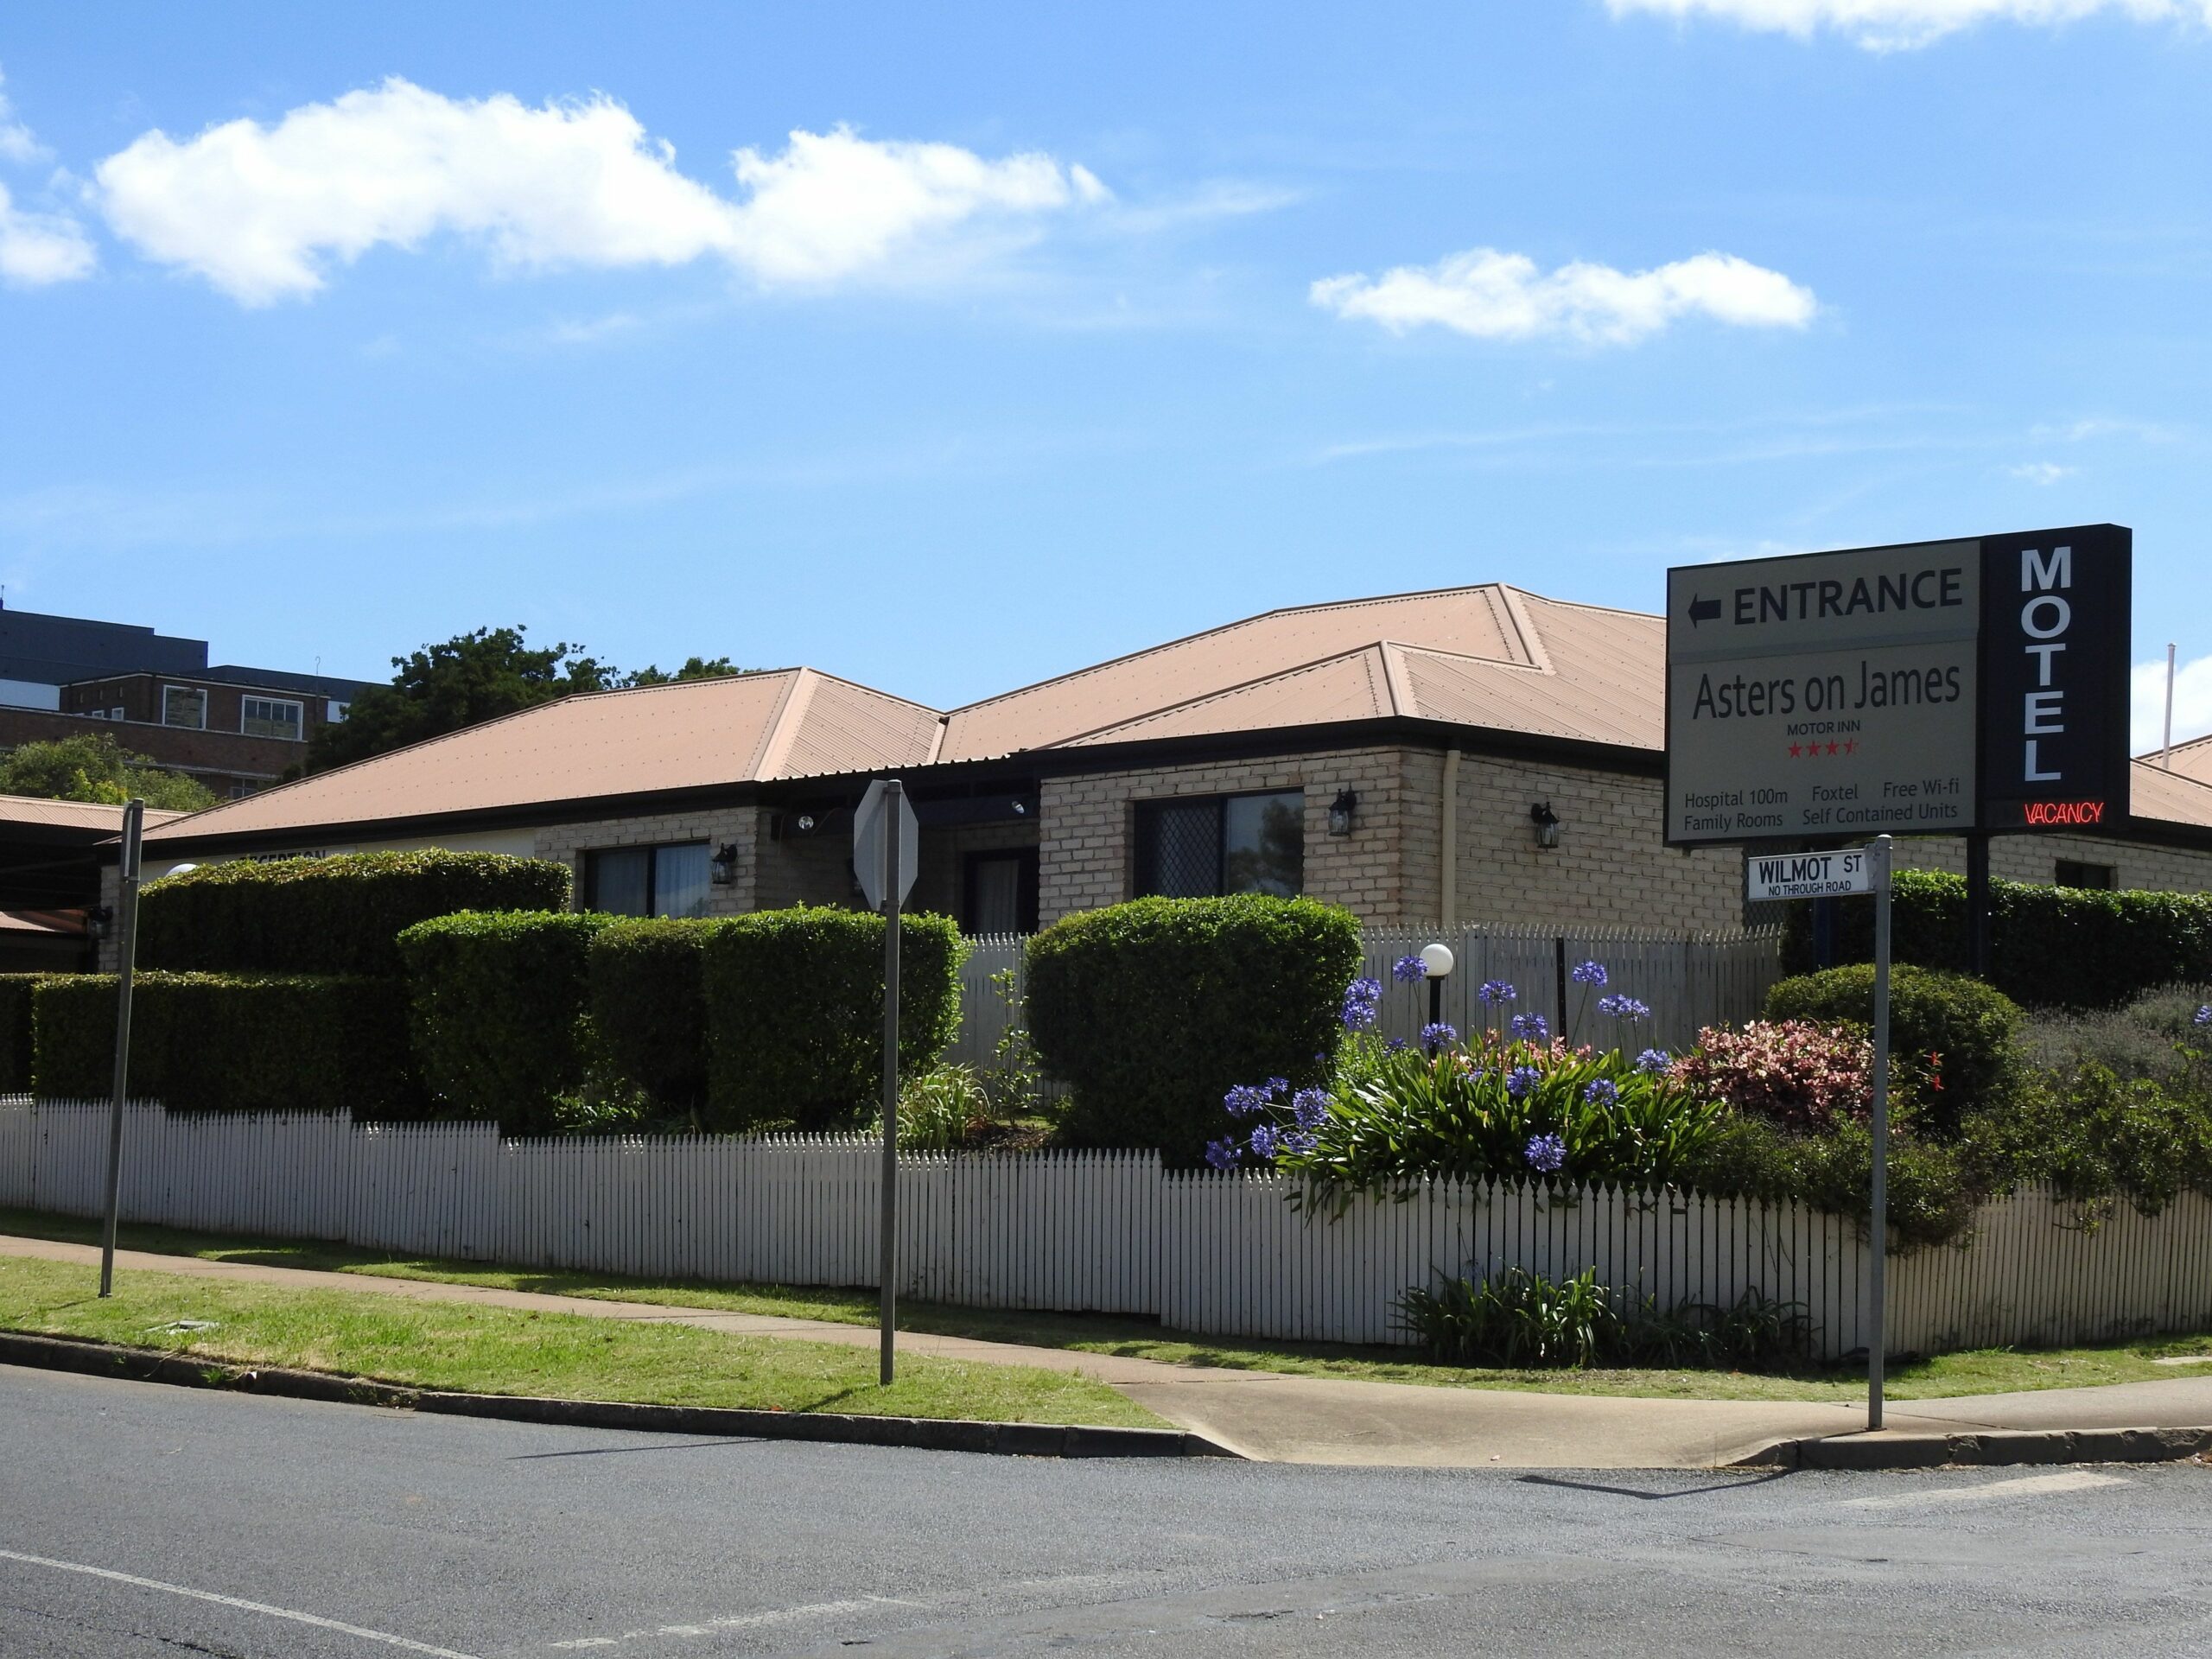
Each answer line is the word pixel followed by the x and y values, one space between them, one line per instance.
pixel 1807 876
pixel 1933 688
pixel 869 819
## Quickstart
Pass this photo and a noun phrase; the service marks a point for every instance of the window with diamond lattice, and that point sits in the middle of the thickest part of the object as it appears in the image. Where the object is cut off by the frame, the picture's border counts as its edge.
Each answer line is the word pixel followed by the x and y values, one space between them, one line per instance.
pixel 1223 843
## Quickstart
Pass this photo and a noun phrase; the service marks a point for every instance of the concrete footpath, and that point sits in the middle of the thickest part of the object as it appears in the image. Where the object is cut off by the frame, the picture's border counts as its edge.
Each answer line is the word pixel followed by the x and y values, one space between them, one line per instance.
pixel 1276 1418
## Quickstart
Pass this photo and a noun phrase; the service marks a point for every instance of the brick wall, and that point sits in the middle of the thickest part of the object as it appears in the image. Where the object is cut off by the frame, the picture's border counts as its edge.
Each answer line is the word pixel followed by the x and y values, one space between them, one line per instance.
pixel 567 843
pixel 215 758
pixel 813 869
pixel 1086 858
pixel 938 885
pixel 2035 858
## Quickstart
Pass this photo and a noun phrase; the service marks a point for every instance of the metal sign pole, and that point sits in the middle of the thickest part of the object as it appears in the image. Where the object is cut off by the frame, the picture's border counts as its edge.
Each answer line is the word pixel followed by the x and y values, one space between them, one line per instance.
pixel 126 923
pixel 893 793
pixel 1879 1220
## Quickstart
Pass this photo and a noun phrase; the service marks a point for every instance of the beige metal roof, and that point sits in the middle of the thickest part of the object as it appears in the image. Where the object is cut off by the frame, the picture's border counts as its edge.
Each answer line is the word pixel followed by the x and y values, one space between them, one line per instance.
pixel 745 728
pixel 2192 759
pixel 71 815
pixel 2172 795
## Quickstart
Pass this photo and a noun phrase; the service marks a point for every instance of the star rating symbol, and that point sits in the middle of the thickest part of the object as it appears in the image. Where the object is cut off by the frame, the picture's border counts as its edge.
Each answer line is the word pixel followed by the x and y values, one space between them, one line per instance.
pixel 1797 749
pixel 1833 748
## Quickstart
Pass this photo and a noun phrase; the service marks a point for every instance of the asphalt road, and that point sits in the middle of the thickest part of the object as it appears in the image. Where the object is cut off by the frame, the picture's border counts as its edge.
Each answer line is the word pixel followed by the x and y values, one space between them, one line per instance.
pixel 138 1520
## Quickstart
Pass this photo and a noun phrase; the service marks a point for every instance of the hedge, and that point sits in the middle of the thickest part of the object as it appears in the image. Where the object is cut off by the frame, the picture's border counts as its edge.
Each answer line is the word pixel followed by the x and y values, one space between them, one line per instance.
pixel 795 1014
pixel 232 1043
pixel 1969 1024
pixel 326 915
pixel 2049 947
pixel 649 1005
pixel 1151 1010
pixel 497 1012
pixel 16 1031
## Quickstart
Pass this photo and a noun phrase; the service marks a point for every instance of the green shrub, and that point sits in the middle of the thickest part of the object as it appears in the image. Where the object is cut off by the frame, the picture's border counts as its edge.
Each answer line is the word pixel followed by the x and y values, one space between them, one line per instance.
pixel 16 1031
pixel 795 1014
pixel 498 1012
pixel 2068 947
pixel 1933 1188
pixel 339 915
pixel 1522 1318
pixel 937 1107
pixel 1150 1011
pixel 1950 1036
pixel 649 1005
pixel 232 1043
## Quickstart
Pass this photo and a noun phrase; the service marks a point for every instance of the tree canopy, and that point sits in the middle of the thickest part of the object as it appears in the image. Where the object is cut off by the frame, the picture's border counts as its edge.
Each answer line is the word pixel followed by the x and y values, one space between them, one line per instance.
pixel 96 767
pixel 474 678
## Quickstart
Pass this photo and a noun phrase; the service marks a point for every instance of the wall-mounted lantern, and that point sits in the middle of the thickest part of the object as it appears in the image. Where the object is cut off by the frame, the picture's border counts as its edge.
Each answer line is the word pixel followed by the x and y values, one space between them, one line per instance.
pixel 722 868
pixel 1341 811
pixel 1547 822
pixel 97 921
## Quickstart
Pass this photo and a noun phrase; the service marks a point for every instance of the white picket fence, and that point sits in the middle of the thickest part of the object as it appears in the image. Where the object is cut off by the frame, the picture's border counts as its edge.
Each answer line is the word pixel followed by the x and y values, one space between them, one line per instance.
pixel 1093 1232
pixel 1688 983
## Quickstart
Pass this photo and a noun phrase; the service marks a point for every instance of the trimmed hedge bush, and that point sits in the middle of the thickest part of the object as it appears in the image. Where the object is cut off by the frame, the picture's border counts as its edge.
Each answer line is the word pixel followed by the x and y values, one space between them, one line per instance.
pixel 1150 1011
pixel 1966 1023
pixel 649 1005
pixel 232 1042
pixel 2049 947
pixel 339 915
pixel 16 1031
pixel 795 1014
pixel 497 1012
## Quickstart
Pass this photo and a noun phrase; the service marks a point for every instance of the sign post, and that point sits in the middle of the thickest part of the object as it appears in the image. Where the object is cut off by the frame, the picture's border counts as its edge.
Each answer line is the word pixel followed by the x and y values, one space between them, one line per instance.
pixel 126 933
pixel 1828 875
pixel 886 837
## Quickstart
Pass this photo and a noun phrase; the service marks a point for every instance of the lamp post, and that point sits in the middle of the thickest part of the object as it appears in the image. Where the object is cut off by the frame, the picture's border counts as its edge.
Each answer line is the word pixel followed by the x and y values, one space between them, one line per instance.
pixel 1437 964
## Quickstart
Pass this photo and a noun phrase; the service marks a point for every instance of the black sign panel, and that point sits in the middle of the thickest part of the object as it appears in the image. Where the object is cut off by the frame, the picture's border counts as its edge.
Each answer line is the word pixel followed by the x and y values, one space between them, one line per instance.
pixel 2055 609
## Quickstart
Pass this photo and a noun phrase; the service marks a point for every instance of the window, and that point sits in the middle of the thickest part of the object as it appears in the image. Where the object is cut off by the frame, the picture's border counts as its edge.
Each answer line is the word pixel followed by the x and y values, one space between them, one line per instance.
pixel 1224 843
pixel 184 705
pixel 271 717
pixel 2071 874
pixel 336 711
pixel 998 892
pixel 647 881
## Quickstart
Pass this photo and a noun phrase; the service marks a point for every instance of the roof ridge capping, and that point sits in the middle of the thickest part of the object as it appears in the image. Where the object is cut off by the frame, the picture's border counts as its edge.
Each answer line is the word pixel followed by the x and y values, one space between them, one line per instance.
pixel 1225 627
pixel 1376 648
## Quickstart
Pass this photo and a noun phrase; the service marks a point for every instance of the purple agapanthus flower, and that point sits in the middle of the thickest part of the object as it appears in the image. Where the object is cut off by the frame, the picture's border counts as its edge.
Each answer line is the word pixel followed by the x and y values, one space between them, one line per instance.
pixel 1623 1008
pixel 1265 1139
pixel 1590 973
pixel 2204 1014
pixel 1532 1029
pixel 1396 1046
pixel 1494 990
pixel 1438 1035
pixel 1653 1061
pixel 1222 1154
pixel 1361 997
pixel 1547 1154
pixel 1278 1088
pixel 1311 1108
pixel 1299 1140
pixel 1407 969
pixel 1521 1080
pixel 1602 1091
pixel 1244 1099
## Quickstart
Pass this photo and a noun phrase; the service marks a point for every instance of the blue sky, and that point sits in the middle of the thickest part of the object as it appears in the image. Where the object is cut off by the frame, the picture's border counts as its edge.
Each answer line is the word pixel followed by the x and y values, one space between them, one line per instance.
pixel 1055 332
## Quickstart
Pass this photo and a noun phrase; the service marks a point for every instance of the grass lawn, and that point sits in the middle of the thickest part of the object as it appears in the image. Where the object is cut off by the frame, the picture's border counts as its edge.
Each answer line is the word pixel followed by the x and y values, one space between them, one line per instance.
pixel 503 1351
pixel 1997 1370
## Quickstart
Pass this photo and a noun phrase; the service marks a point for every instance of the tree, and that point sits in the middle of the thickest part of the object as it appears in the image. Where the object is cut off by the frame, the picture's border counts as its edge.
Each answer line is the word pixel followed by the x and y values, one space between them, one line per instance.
pixel 95 768
pixel 470 678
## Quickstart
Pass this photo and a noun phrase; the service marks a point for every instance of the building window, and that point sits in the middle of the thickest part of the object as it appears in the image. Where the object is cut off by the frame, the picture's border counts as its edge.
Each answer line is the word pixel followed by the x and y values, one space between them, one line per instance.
pixel 2101 877
pixel 271 717
pixel 336 711
pixel 998 892
pixel 184 705
pixel 1224 843
pixel 647 881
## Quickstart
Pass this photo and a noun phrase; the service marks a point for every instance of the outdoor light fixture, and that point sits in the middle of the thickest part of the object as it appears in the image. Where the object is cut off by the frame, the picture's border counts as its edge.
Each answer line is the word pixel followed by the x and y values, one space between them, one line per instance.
pixel 1340 811
pixel 97 919
pixel 722 868
pixel 1436 965
pixel 1547 822
pixel 1022 808
pixel 806 824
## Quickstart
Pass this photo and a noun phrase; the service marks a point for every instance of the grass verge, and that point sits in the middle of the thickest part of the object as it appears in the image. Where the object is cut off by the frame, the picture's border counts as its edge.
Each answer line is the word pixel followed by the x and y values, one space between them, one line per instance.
pixel 1994 1370
pixel 502 1350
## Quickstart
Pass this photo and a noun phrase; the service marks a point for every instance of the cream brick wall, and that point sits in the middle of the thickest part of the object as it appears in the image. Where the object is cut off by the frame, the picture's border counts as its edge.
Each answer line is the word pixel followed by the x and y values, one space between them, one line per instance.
pixel 814 869
pixel 944 853
pixel 1086 858
pixel 1610 868
pixel 2035 858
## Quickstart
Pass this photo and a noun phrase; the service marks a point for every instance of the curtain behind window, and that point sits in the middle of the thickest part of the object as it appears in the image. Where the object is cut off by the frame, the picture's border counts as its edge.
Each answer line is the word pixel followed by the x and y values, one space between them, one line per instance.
pixel 680 880
pixel 618 882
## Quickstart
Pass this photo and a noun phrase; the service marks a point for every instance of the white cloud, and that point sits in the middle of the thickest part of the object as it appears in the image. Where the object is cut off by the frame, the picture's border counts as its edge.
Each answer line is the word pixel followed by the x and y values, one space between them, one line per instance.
pixel 2041 472
pixel 36 249
pixel 261 211
pixel 1896 25
pixel 1497 295
pixel 2147 703
pixel 16 143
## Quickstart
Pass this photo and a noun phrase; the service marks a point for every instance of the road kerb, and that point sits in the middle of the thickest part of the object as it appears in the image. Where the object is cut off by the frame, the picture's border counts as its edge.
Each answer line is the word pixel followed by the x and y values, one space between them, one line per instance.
pixel 929 1433
pixel 1983 1448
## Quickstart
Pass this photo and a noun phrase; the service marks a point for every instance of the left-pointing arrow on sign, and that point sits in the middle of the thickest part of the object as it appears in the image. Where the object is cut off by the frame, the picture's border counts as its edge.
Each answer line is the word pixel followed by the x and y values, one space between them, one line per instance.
pixel 1704 610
